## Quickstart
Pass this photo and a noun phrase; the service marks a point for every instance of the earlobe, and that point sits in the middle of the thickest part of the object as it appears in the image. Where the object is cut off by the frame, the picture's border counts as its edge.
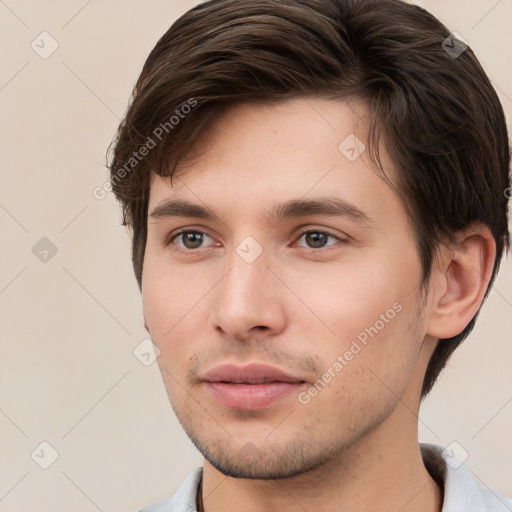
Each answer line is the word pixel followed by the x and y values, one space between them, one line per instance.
pixel 461 280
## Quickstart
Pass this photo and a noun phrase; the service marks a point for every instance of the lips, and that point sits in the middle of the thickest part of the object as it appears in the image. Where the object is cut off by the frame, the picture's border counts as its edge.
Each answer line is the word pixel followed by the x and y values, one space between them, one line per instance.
pixel 251 387
pixel 250 374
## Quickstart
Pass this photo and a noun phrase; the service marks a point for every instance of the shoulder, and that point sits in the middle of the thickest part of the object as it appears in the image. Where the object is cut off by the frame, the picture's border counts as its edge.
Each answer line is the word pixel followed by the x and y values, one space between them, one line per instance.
pixel 461 489
pixel 185 498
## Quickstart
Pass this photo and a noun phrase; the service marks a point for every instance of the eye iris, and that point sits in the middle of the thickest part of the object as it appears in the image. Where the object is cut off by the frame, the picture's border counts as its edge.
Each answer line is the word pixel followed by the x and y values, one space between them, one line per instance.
pixel 316 239
pixel 192 239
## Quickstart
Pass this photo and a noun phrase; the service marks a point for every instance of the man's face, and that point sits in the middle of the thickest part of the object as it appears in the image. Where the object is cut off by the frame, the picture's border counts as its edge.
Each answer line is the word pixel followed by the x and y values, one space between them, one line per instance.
pixel 332 301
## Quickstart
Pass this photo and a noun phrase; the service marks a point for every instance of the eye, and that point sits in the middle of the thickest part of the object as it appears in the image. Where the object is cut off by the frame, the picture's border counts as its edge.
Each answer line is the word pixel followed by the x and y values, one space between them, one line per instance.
pixel 318 239
pixel 189 239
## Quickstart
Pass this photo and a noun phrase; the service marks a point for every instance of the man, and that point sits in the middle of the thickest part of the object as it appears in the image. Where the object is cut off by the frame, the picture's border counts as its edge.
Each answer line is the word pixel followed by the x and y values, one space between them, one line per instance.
pixel 316 192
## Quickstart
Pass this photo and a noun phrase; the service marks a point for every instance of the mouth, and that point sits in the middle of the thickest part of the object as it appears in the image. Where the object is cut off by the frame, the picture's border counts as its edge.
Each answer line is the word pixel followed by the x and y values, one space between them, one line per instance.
pixel 252 387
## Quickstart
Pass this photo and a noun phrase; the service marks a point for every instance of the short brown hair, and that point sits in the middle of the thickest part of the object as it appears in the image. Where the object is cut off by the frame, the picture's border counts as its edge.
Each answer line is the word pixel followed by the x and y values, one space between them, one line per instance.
pixel 435 109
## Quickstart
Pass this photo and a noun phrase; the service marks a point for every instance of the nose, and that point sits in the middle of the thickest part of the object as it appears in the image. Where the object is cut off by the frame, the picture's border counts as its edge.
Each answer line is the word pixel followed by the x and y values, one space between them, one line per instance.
pixel 249 301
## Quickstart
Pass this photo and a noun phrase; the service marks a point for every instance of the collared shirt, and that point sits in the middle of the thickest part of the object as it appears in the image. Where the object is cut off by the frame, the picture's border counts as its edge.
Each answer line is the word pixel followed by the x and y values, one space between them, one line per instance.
pixel 461 491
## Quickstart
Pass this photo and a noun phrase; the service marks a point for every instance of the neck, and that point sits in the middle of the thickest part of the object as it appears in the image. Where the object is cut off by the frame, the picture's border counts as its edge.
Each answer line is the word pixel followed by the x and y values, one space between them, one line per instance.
pixel 375 473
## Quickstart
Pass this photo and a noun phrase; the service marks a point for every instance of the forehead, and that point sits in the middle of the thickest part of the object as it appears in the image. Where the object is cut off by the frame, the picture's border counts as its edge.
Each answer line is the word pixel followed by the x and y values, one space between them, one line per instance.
pixel 298 148
pixel 285 125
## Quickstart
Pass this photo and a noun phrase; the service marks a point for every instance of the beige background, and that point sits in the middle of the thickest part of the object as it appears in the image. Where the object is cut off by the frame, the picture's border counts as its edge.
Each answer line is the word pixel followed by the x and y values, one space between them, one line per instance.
pixel 69 326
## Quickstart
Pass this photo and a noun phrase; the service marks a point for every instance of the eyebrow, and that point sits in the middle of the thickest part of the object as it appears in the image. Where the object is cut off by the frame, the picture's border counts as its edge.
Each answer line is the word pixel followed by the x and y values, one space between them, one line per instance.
pixel 330 206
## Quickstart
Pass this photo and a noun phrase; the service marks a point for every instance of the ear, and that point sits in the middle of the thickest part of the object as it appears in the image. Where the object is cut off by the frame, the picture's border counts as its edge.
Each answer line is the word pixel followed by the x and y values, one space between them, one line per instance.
pixel 459 281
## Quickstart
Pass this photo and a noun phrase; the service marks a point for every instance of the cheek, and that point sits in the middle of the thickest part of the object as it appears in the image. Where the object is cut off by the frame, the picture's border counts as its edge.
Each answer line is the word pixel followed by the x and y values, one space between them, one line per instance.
pixel 176 304
pixel 348 300
pixel 366 317
pixel 367 368
pixel 171 294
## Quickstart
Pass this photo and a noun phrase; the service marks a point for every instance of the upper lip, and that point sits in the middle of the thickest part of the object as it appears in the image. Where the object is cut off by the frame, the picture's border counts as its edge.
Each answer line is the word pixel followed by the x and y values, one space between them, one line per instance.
pixel 249 374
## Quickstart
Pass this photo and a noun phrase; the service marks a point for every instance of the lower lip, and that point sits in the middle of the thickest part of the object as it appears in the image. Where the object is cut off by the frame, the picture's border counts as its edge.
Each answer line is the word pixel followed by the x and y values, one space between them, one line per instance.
pixel 251 397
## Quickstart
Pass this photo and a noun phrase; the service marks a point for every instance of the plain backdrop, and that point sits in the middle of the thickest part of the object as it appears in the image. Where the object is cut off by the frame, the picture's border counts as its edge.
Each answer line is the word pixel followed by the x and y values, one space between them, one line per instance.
pixel 71 310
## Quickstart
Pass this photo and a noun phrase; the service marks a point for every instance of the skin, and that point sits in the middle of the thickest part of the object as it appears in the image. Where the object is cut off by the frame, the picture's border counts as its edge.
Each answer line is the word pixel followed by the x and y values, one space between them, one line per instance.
pixel 354 445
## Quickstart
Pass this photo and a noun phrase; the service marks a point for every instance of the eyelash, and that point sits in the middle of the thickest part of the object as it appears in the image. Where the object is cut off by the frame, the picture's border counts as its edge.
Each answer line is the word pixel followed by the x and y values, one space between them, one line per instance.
pixel 174 236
